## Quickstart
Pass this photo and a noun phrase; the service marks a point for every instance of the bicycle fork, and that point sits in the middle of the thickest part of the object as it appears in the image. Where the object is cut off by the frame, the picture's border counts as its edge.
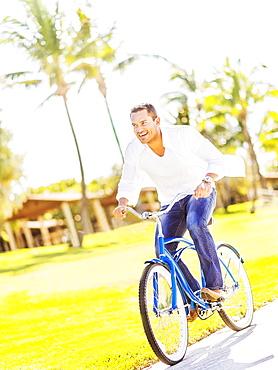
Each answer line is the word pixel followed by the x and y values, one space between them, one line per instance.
pixel 169 263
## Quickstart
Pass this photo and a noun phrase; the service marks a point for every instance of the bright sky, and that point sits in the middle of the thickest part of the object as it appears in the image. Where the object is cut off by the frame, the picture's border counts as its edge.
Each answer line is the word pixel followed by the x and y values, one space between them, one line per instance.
pixel 196 35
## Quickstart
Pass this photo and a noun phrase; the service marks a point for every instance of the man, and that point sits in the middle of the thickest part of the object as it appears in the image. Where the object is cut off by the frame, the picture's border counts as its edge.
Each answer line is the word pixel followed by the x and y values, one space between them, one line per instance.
pixel 177 159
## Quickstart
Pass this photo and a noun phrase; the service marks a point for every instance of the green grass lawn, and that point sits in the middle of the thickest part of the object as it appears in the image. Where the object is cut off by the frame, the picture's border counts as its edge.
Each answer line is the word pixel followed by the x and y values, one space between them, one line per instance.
pixel 73 309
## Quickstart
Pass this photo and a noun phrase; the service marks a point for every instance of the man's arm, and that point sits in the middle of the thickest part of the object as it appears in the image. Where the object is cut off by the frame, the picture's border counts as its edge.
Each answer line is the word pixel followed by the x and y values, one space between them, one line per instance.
pixel 205 150
pixel 130 183
pixel 119 211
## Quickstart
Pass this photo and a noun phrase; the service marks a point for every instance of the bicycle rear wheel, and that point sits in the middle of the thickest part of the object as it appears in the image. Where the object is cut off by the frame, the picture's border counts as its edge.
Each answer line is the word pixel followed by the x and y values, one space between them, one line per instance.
pixel 166 329
pixel 237 309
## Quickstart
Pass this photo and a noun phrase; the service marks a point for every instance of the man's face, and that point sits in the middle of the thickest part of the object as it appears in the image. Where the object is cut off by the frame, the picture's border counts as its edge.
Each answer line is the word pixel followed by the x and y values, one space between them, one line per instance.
pixel 145 127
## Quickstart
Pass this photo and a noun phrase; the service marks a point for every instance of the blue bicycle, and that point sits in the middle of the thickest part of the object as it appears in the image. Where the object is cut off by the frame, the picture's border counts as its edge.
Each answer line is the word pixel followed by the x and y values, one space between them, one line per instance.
pixel 166 299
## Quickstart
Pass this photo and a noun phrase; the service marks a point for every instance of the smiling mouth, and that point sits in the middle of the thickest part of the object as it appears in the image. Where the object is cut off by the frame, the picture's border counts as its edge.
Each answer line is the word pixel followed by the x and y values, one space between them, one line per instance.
pixel 142 135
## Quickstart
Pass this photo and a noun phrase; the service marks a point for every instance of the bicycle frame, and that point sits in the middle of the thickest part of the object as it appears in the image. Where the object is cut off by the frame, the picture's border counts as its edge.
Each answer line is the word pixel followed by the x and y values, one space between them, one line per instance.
pixel 177 277
pixel 166 259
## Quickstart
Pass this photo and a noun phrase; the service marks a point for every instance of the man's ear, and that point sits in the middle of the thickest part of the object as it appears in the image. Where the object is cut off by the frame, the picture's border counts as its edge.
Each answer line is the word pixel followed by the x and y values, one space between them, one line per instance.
pixel 157 121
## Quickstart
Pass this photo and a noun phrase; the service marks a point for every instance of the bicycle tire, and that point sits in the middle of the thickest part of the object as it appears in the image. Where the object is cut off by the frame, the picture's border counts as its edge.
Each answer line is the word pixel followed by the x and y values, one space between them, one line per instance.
pixel 237 309
pixel 166 330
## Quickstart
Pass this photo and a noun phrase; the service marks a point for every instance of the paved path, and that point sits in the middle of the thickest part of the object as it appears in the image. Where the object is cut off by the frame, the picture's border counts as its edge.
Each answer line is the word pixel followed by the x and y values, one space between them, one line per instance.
pixel 255 347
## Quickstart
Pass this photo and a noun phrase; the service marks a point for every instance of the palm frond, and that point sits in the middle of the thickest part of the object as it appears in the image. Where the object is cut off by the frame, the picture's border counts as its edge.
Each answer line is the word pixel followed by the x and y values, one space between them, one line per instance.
pixel 13 79
pixel 84 32
pixel 108 35
pixel 80 37
pixel 156 56
pixel 82 84
pixel 175 96
pixel 15 75
pixel 25 83
pixel 96 49
pixel 90 70
pixel 14 31
pixel 45 100
pixel 273 93
pixel 44 23
pixel 127 62
pixel 7 21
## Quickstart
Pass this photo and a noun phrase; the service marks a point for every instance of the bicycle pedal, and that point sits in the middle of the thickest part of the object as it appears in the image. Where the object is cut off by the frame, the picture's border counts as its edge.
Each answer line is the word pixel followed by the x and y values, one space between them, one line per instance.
pixel 211 296
pixel 215 300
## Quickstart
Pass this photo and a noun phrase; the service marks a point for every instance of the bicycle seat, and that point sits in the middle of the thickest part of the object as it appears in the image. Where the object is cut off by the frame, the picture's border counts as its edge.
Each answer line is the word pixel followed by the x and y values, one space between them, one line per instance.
pixel 211 221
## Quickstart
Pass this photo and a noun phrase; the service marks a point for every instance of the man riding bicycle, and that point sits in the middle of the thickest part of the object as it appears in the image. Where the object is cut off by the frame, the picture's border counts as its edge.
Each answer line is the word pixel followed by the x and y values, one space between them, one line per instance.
pixel 177 159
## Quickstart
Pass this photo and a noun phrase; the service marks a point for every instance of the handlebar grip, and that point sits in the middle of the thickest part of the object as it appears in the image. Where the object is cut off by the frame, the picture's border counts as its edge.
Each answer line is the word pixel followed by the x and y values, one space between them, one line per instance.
pixel 134 212
pixel 146 215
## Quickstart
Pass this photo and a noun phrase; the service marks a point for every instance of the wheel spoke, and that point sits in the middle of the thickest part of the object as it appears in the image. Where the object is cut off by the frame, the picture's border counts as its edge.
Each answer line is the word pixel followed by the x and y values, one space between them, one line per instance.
pixel 237 309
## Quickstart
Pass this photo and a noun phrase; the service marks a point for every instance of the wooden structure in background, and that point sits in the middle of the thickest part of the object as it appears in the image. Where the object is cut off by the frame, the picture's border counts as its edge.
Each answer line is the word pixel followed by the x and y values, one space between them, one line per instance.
pixel 35 230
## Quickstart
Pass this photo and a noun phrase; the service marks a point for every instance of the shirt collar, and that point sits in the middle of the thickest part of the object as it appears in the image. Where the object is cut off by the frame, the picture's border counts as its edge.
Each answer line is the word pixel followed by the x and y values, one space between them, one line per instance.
pixel 167 143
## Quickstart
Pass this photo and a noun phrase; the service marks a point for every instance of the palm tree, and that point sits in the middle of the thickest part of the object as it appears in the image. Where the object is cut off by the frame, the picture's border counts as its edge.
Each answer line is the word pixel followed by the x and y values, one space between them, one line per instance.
pixel 56 47
pixel 188 87
pixel 189 101
pixel 234 94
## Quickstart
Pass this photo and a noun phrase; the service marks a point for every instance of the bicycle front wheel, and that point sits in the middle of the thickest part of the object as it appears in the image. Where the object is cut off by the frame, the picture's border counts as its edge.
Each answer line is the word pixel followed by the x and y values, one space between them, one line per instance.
pixel 165 328
pixel 237 309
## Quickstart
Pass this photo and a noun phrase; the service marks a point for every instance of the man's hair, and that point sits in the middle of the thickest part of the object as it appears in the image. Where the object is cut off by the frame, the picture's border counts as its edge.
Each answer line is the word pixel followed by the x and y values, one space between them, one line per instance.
pixel 149 107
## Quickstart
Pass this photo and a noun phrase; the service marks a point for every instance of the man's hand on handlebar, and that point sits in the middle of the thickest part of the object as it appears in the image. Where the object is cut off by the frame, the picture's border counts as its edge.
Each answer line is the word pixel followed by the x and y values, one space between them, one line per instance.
pixel 203 190
pixel 120 211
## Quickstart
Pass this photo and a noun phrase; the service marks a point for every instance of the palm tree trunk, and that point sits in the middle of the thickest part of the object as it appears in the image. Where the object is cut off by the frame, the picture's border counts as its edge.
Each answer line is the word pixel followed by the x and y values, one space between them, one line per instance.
pixel 224 194
pixel 113 127
pixel 255 190
pixel 254 166
pixel 253 156
pixel 85 219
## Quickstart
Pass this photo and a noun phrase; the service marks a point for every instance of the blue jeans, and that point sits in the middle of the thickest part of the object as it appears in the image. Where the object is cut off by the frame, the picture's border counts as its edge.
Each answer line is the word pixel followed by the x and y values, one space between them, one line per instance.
pixel 193 215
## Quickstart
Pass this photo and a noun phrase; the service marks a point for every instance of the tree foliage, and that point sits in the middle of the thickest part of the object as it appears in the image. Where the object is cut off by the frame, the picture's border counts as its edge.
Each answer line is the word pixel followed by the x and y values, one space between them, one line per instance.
pixel 10 177
pixel 269 133
pixel 103 185
pixel 59 187
pixel 221 108
pixel 233 97
pixel 106 185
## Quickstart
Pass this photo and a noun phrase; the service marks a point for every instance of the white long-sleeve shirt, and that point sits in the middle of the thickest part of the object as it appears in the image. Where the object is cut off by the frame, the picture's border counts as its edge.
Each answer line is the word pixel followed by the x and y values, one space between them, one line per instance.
pixel 187 159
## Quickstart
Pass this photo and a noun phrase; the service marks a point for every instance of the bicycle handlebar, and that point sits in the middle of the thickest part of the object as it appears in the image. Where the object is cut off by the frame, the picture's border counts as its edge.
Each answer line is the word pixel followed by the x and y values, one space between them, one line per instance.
pixel 147 215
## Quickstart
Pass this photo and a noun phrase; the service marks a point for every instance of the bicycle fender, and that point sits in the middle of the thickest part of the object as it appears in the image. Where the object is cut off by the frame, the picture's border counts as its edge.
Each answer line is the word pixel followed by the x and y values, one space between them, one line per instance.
pixel 233 249
pixel 154 260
